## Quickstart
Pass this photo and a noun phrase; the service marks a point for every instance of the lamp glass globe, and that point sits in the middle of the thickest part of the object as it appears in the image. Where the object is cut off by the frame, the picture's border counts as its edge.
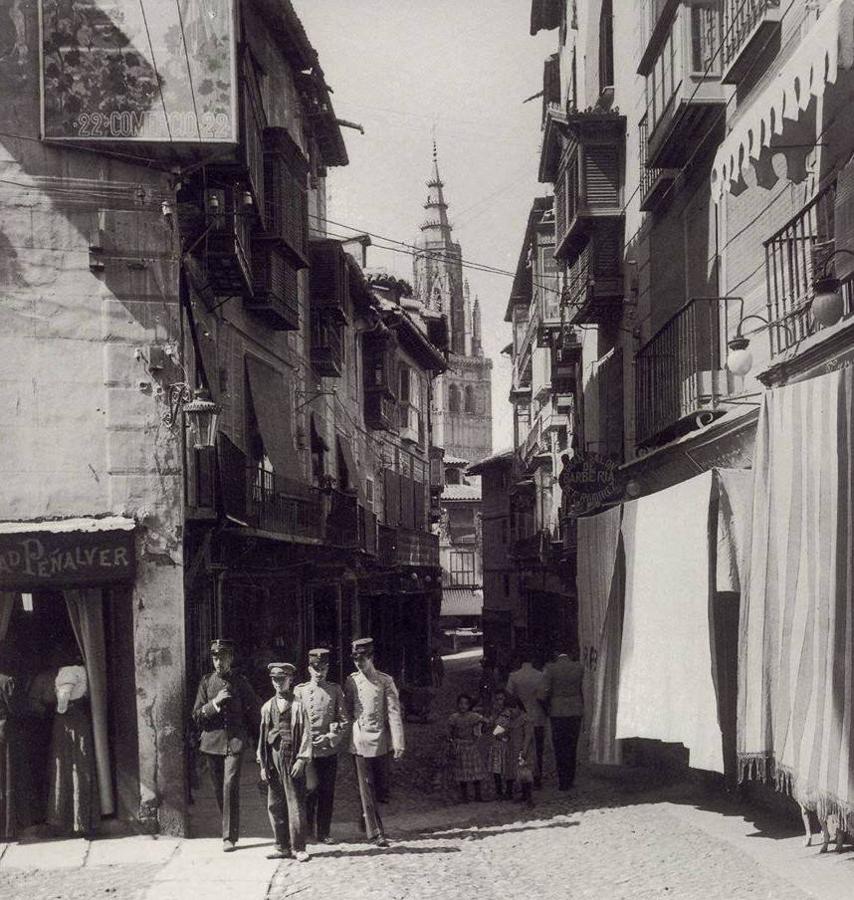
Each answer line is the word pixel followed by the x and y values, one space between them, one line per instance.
pixel 827 308
pixel 740 361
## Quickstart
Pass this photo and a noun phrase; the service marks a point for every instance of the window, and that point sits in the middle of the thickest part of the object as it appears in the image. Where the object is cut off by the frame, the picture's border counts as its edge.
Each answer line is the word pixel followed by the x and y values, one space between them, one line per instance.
pixel 453 398
pixel 606 46
pixel 471 406
pixel 462 568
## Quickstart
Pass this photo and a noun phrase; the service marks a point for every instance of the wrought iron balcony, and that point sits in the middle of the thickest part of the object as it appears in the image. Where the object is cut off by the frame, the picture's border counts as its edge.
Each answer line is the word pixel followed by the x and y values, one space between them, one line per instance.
pixel 794 256
pixel 748 27
pixel 654 183
pixel 405 547
pixel 685 100
pixel 681 378
pixel 283 506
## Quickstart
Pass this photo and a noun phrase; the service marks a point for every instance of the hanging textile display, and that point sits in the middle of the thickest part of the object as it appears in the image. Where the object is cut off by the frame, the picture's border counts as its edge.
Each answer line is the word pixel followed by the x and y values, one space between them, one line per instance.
pixel 666 685
pixel 796 678
pixel 600 622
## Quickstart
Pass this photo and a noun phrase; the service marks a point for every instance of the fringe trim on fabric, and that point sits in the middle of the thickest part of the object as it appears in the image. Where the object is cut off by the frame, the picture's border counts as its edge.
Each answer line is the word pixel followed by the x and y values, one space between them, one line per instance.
pixel 761 767
pixel 755 767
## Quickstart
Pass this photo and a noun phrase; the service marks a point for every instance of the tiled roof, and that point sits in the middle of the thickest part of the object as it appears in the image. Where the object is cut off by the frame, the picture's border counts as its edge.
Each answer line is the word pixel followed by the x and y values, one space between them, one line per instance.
pixel 461 492
pixel 461 602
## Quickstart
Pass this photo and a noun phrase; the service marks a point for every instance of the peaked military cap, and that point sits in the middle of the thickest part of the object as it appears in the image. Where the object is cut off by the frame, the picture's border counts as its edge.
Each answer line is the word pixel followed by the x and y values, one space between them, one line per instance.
pixel 222 644
pixel 319 654
pixel 280 669
pixel 363 646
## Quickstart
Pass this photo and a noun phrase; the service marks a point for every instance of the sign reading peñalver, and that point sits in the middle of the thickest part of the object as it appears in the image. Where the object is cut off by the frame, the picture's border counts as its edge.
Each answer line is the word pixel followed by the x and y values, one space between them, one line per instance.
pixel 44 560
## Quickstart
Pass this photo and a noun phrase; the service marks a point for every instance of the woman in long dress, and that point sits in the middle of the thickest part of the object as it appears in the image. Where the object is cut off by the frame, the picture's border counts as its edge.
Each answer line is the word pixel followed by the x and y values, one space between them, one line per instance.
pixel 73 806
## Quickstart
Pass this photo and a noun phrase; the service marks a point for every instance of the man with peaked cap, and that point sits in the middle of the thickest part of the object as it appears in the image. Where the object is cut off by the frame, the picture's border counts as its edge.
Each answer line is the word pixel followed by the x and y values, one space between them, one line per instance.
pixel 224 708
pixel 323 702
pixel 374 708
pixel 284 749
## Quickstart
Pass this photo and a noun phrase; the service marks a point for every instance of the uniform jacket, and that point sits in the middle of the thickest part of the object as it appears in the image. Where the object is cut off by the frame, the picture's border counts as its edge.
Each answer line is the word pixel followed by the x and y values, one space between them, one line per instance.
pixel 562 687
pixel 270 751
pixel 526 683
pixel 374 707
pixel 327 715
pixel 225 732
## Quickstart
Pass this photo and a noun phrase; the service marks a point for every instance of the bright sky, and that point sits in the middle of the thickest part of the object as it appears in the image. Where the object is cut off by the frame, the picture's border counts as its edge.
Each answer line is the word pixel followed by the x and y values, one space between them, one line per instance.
pixel 401 67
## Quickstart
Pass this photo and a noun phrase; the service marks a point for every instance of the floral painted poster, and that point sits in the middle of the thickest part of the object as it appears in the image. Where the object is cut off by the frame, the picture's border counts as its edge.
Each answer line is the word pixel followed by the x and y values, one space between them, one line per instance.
pixel 139 70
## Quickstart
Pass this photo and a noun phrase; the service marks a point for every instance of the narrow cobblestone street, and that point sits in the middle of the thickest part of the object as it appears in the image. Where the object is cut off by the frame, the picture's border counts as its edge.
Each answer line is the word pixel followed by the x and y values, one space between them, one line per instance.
pixel 604 840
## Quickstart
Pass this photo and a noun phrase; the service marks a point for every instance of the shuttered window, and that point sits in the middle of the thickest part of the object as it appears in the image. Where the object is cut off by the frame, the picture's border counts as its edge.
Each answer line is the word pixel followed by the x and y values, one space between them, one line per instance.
pixel 391 484
pixel 285 173
pixel 602 177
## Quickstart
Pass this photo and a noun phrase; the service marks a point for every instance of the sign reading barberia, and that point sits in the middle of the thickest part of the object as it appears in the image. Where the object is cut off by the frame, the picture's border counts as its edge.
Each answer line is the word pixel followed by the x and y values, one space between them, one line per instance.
pixel 43 559
pixel 588 479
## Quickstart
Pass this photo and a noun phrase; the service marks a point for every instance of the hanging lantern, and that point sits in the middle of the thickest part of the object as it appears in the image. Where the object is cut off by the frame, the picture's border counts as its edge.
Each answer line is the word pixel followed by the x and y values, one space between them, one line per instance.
pixel 827 305
pixel 739 359
pixel 202 418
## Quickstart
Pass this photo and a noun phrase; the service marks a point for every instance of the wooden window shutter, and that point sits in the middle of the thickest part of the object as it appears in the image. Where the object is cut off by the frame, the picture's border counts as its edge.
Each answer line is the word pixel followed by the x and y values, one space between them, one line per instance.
pixel 391 483
pixel 602 176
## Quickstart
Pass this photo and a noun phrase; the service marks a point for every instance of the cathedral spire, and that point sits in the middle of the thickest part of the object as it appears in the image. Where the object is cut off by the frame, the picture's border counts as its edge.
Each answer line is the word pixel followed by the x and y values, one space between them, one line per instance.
pixel 437 209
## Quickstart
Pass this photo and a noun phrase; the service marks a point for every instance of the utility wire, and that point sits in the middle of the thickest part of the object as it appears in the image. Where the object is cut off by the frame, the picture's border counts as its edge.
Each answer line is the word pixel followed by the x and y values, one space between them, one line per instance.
pixel 189 71
pixel 156 73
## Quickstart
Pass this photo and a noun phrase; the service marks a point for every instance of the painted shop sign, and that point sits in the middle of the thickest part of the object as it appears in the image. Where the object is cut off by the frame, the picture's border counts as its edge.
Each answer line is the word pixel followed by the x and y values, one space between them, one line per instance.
pixel 588 479
pixel 150 70
pixel 38 560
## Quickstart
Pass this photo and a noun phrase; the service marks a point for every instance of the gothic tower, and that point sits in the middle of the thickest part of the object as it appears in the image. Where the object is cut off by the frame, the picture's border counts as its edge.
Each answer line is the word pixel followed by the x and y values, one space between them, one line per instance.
pixel 462 404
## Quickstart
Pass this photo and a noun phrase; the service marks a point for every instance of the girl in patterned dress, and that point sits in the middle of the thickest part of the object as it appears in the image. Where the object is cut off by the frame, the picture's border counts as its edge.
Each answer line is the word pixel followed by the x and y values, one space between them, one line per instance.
pixel 464 729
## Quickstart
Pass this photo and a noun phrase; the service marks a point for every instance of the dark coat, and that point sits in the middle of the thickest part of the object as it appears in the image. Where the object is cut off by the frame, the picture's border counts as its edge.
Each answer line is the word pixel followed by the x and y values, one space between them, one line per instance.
pixel 228 731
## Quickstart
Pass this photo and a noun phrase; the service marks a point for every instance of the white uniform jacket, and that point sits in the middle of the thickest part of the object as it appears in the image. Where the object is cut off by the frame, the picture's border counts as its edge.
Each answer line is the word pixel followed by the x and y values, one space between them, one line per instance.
pixel 374 708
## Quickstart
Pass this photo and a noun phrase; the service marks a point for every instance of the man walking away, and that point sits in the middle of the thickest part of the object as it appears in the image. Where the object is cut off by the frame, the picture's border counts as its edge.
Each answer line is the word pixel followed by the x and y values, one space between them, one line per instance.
pixel 563 701
pixel 225 705
pixel 374 709
pixel 525 683
pixel 284 749
pixel 324 704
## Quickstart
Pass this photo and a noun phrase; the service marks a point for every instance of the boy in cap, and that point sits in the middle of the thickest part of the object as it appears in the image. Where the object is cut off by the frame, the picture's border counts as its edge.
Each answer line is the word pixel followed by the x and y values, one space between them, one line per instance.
pixel 284 748
pixel 225 705
pixel 323 702
pixel 374 708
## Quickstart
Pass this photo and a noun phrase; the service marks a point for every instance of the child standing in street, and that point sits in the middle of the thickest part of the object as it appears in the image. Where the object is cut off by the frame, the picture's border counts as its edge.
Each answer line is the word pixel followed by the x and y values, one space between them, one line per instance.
pixel 513 737
pixel 464 730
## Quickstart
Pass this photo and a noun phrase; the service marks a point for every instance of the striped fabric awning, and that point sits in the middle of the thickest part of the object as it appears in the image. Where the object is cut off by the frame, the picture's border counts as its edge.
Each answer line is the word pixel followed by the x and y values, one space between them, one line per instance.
pixel 462 602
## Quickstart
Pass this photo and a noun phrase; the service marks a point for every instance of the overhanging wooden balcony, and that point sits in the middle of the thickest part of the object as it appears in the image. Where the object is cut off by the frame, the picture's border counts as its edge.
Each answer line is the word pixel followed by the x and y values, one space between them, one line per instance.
pixel 748 27
pixel 405 547
pixel 589 184
pixel 681 380
pixel 685 99
pixel 594 290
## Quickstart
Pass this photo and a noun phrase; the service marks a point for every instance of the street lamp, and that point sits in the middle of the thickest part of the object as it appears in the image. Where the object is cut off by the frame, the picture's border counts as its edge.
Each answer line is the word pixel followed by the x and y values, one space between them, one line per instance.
pixel 739 360
pixel 827 306
pixel 201 414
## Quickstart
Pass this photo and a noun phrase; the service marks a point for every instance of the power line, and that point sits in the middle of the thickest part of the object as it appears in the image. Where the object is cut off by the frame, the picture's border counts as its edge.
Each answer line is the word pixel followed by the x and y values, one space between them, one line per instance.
pixel 189 71
pixel 156 73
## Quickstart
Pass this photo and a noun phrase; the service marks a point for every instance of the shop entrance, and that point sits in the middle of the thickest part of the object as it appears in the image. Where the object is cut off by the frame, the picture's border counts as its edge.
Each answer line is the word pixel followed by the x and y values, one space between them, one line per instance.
pixel 60 647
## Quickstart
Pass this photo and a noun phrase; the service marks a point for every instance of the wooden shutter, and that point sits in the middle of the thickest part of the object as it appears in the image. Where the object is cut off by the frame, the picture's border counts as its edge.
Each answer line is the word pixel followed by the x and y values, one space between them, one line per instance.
pixel 420 505
pixel 407 503
pixel 232 478
pixel 285 173
pixel 602 176
pixel 391 482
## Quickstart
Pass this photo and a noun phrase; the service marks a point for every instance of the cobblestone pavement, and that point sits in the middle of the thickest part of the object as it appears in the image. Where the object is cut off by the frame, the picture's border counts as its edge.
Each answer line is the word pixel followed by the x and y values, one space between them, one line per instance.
pixel 604 840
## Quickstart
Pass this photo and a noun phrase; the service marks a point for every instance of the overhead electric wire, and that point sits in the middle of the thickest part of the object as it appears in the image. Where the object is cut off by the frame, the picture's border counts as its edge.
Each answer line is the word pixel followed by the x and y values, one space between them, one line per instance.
pixel 156 73
pixel 189 71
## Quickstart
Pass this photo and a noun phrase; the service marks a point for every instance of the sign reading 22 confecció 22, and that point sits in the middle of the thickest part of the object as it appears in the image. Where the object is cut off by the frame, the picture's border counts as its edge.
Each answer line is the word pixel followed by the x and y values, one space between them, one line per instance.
pixel 34 560
pixel 148 70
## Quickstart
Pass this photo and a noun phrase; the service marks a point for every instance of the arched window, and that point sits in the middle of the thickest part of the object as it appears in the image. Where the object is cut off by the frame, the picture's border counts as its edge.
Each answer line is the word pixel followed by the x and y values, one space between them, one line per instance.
pixel 453 398
pixel 470 401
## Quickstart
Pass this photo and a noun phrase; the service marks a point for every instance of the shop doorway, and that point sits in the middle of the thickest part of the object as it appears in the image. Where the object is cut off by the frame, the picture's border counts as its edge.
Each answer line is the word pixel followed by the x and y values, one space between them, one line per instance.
pixel 62 648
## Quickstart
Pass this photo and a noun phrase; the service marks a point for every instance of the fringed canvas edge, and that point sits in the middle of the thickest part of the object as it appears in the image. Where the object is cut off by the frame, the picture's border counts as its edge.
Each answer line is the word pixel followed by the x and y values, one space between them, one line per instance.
pixel 755 767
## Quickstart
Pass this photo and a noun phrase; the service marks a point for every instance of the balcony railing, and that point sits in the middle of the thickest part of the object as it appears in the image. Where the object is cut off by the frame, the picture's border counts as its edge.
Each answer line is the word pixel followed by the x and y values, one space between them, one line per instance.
pixel 404 547
pixel 342 524
pixel 683 90
pixel 654 183
pixel 283 506
pixel 680 374
pixel 747 27
pixel 794 255
pixel 594 285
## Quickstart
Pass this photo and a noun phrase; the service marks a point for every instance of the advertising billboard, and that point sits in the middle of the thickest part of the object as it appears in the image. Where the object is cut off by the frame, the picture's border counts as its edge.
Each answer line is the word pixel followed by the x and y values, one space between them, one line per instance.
pixel 139 70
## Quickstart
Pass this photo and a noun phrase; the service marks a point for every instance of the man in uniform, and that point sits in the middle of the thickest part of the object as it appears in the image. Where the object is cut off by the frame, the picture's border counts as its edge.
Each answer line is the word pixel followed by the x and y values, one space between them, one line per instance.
pixel 374 709
pixel 225 705
pixel 323 701
pixel 284 749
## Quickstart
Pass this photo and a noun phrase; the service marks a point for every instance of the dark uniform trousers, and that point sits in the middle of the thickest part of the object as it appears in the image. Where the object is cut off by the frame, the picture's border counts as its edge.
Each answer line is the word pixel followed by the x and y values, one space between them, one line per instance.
pixel 285 803
pixel 225 775
pixel 565 731
pixel 321 800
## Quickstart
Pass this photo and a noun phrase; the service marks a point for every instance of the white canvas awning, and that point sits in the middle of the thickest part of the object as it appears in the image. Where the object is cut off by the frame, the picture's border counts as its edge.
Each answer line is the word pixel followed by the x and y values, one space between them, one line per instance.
pixel 828 46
